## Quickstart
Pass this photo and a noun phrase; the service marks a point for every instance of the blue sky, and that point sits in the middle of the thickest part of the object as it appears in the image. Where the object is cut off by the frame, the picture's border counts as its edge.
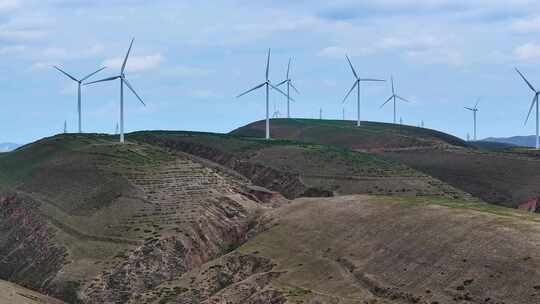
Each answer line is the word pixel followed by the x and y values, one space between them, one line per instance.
pixel 191 58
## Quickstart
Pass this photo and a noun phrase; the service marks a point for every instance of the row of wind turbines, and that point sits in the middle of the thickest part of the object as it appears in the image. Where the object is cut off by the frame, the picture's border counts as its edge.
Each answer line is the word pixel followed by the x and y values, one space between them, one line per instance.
pixel 267 84
pixel 123 81
pixel 288 81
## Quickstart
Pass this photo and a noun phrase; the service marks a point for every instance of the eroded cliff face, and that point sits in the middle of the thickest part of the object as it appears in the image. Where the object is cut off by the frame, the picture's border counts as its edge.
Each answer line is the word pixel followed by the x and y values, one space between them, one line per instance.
pixel 233 278
pixel 28 254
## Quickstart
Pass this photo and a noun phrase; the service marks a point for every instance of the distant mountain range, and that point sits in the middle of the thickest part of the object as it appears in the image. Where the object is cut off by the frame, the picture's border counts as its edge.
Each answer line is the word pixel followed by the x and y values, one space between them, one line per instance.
pixel 523 141
pixel 6 147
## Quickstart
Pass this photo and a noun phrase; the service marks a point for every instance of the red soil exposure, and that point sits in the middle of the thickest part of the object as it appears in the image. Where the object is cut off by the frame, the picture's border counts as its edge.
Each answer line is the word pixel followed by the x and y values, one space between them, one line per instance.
pixel 532 205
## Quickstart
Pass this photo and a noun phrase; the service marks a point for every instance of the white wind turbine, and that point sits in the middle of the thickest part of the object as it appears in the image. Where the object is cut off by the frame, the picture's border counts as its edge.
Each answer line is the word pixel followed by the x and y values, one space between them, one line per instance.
pixel 534 103
pixel 394 97
pixel 475 111
pixel 356 84
pixel 123 80
pixel 267 86
pixel 79 82
pixel 289 83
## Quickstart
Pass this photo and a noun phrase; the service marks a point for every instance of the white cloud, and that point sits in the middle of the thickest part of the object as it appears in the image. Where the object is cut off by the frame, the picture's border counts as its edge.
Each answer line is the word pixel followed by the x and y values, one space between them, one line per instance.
pixel 12 49
pixel 41 65
pixel 187 71
pixel 531 24
pixel 6 5
pixel 21 34
pixel 528 51
pixel 136 63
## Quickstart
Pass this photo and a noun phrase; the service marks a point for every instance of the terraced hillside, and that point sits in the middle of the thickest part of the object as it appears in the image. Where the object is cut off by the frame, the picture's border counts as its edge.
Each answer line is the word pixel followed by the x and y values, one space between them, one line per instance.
pixel 87 219
pixel 508 179
pixel 13 294
pixel 362 249
pixel 298 169
pixel 345 134
pixel 496 174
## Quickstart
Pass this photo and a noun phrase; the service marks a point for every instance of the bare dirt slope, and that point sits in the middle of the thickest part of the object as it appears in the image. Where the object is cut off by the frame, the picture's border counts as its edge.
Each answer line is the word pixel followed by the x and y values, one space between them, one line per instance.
pixel 360 249
pixel 14 294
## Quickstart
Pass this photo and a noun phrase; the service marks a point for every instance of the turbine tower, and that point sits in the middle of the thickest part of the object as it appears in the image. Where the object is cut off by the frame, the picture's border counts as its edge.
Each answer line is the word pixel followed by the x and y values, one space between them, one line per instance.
pixel 475 111
pixel 123 80
pixel 533 104
pixel 65 126
pixel 357 85
pixel 267 86
pixel 79 82
pixel 289 83
pixel 394 97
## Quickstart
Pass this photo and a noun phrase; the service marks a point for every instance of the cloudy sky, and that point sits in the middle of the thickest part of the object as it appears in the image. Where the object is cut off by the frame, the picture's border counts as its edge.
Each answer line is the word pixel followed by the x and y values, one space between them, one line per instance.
pixel 191 58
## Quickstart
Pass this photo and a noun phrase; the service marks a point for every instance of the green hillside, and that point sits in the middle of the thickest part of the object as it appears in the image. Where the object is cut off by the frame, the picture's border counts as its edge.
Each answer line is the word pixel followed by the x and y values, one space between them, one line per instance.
pixel 371 136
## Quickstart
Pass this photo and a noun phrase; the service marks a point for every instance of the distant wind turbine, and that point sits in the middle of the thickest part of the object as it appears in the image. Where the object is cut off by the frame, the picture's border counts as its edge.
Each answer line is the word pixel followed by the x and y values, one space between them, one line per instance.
pixel 394 97
pixel 123 80
pixel 356 84
pixel 474 110
pixel 534 103
pixel 289 83
pixel 79 82
pixel 267 86
pixel 65 126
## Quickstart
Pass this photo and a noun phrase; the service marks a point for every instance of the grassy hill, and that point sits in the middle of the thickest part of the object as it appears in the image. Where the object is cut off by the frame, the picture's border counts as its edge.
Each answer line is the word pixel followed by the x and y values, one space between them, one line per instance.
pixel 371 136
pixel 361 249
pixel 187 217
pixel 494 172
pixel 82 214
pixel 300 169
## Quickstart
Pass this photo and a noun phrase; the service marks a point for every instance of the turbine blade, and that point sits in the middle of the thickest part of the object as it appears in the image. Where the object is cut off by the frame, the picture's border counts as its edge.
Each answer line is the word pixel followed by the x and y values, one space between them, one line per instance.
pixel 268 65
pixel 126 58
pixel 392 78
pixel 470 109
pixel 102 80
pixel 277 89
pixel 288 68
pixel 371 79
pixel 526 81
pixel 133 91
pixel 535 100
pixel 403 99
pixel 250 90
pixel 281 83
pixel 350 91
pixel 65 73
pixel 92 74
pixel 292 85
pixel 352 68
pixel 477 102
pixel 387 101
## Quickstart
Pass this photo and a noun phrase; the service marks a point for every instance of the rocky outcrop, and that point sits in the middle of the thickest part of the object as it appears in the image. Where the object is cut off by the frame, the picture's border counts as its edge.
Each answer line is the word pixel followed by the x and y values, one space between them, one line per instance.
pixel 233 278
pixel 28 255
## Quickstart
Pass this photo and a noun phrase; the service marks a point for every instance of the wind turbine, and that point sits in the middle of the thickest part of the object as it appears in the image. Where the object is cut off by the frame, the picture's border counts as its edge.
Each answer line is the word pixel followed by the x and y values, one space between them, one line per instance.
pixel 267 86
pixel 289 83
pixel 474 110
pixel 394 97
pixel 357 85
pixel 123 80
pixel 79 82
pixel 534 103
